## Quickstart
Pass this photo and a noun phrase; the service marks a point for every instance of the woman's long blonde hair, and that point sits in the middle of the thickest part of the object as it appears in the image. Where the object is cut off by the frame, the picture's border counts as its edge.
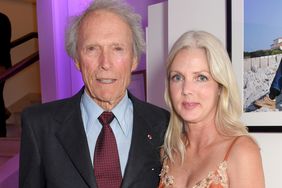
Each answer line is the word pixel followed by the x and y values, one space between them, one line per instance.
pixel 229 107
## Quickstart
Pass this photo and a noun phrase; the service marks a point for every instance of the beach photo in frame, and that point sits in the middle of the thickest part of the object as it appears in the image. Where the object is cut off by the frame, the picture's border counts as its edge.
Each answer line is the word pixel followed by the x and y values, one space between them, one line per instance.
pixel 254 32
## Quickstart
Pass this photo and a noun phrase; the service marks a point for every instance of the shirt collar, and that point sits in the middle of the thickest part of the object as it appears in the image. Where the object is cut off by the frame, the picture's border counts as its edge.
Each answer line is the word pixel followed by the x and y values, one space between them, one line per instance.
pixel 121 112
pixel 93 111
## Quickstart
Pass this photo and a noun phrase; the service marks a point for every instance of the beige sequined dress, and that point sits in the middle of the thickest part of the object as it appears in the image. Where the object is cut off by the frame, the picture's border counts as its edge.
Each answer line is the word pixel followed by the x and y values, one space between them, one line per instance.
pixel 215 179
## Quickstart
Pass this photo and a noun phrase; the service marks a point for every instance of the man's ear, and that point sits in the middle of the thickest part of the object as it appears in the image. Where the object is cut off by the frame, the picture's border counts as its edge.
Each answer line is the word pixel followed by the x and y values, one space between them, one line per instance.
pixel 134 64
pixel 77 64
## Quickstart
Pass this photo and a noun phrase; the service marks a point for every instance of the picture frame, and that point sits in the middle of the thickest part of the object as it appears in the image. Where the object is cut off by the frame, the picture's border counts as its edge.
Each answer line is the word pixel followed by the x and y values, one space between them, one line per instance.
pixel 138 84
pixel 270 121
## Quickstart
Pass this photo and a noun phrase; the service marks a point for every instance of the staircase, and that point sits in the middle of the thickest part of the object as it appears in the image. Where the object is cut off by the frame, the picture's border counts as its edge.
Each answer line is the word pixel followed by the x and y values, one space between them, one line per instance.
pixel 9 146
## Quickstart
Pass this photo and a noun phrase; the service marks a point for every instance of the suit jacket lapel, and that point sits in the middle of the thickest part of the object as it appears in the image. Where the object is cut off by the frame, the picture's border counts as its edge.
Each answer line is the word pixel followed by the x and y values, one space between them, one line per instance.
pixel 136 154
pixel 139 147
pixel 73 139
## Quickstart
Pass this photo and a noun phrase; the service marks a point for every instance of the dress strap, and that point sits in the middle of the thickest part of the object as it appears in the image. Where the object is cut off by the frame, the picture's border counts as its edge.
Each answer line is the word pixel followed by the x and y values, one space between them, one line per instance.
pixel 230 147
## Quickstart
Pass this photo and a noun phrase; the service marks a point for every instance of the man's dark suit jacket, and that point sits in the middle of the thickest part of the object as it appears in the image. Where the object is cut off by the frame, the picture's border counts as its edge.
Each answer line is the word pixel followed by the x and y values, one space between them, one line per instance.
pixel 54 151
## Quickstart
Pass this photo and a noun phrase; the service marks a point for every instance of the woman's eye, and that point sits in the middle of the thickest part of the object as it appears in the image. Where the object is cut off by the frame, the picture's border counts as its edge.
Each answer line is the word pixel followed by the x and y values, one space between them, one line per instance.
pixel 202 78
pixel 176 77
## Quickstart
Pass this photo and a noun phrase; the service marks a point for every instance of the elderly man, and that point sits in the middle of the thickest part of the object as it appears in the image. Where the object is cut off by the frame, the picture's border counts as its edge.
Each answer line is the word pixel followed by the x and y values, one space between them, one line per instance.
pixel 103 136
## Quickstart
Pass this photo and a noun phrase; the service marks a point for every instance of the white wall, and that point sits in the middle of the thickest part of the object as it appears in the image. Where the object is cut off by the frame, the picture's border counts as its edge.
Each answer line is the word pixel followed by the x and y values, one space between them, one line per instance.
pixel 166 22
pixel 270 144
pixel 157 40
pixel 185 15
pixel 23 21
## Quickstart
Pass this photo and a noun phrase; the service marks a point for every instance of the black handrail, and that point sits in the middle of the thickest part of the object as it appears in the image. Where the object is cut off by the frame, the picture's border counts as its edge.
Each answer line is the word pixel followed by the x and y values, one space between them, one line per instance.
pixel 23 63
pixel 24 39
pixel 19 66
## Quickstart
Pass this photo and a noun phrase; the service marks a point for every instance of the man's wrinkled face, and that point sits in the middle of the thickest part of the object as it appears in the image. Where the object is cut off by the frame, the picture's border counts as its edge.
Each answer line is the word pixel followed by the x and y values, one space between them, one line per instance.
pixel 105 57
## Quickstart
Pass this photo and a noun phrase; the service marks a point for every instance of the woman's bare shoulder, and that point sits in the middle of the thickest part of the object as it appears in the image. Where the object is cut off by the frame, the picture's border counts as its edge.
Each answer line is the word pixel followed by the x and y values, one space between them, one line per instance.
pixel 245 163
pixel 244 147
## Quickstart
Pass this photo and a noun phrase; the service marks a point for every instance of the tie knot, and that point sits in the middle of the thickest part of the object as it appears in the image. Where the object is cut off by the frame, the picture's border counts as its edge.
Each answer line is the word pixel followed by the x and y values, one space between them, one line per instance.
pixel 106 118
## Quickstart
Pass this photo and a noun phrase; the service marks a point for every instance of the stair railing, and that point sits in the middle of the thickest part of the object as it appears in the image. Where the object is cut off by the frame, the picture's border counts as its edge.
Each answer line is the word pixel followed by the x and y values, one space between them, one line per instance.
pixel 23 63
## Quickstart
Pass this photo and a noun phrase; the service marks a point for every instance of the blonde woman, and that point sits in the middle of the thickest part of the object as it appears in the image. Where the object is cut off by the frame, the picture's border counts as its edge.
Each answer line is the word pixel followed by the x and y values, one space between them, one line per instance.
pixel 206 145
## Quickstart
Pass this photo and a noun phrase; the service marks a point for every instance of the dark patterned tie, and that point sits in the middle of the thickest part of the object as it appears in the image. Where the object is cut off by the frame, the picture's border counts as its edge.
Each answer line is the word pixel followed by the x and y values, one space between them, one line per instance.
pixel 106 160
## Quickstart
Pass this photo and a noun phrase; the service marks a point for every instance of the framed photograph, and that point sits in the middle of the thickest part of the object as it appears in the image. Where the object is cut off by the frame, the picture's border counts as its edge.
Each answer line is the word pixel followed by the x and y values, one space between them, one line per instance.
pixel 254 43
pixel 138 84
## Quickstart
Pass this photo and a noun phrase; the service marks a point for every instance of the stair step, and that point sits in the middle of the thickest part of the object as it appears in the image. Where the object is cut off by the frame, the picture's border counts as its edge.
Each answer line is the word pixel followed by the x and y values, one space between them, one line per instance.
pixel 9 173
pixel 13 130
pixel 27 100
pixel 9 146
pixel 14 119
pixel 4 159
